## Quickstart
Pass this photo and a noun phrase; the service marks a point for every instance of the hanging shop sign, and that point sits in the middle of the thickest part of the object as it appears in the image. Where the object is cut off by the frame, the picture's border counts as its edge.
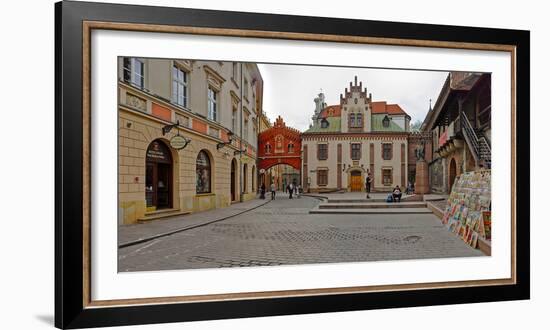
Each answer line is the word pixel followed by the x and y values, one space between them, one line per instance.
pixel 178 142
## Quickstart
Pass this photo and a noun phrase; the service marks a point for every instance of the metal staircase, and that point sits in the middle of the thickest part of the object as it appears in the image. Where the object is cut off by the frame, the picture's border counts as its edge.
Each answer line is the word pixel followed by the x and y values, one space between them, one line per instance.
pixel 480 147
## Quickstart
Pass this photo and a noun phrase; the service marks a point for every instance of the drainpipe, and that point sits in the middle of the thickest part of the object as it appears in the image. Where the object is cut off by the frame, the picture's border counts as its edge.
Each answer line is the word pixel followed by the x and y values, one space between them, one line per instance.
pixel 241 167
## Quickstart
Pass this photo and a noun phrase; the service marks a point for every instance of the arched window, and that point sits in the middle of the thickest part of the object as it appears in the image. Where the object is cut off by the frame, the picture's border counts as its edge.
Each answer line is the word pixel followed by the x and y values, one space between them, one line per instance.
pixel 359 120
pixel 268 148
pixel 324 123
pixel 204 173
pixel 290 147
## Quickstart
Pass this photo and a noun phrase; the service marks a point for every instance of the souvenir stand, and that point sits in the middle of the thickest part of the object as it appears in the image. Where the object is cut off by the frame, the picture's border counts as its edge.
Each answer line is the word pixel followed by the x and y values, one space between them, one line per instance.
pixel 468 210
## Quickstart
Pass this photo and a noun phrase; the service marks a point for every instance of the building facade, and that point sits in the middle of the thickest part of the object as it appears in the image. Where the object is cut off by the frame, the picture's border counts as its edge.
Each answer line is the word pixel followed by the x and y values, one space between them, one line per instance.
pixel 460 126
pixel 358 136
pixel 187 135
pixel 279 154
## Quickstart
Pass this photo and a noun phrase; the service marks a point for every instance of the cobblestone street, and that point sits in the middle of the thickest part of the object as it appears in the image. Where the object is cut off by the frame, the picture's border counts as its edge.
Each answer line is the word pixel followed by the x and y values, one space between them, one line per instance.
pixel 283 232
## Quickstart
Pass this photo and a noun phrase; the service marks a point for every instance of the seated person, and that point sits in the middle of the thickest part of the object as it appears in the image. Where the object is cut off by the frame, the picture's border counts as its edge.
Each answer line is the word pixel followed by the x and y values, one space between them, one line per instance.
pixel 397 194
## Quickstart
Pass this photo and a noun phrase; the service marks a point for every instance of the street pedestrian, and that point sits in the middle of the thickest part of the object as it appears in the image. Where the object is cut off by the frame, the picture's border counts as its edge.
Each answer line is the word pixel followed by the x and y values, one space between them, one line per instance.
pixel 396 194
pixel 298 191
pixel 409 189
pixel 262 191
pixel 273 191
pixel 290 190
pixel 368 182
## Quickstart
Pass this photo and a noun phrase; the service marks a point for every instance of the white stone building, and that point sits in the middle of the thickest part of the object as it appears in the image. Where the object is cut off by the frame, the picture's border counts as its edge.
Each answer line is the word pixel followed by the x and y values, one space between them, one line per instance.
pixel 348 140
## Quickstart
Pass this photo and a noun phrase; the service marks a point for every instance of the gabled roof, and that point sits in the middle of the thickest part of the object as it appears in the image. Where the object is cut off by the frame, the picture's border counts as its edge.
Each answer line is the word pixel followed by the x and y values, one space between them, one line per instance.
pixel 381 107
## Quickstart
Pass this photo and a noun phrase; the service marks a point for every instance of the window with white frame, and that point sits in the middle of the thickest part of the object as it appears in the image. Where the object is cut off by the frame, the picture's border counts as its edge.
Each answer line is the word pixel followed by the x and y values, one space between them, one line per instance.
pixel 234 120
pixel 212 104
pixel 179 86
pixel 133 71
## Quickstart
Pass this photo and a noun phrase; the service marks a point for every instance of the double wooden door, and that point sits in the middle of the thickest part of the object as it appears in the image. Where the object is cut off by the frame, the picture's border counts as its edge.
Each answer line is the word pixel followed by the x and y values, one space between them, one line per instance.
pixel 356 182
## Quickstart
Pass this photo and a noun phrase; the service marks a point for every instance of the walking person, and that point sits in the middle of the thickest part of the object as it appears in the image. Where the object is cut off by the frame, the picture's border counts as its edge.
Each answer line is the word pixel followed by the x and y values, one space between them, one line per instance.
pixel 290 190
pixel 368 182
pixel 262 191
pixel 272 191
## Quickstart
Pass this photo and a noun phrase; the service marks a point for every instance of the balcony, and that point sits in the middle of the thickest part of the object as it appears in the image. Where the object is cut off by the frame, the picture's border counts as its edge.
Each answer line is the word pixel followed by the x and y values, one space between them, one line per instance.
pixel 449 140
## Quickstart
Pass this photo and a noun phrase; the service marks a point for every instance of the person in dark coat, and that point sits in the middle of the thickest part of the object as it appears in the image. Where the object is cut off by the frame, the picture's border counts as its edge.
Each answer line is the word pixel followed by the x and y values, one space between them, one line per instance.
pixel 396 194
pixel 368 182
pixel 262 191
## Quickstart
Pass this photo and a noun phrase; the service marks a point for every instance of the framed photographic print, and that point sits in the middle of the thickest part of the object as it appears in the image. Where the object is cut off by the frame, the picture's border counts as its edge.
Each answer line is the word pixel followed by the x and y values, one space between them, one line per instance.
pixel 218 164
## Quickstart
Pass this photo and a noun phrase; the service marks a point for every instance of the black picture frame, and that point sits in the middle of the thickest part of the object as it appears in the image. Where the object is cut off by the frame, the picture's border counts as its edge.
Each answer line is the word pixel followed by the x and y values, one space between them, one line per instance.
pixel 70 177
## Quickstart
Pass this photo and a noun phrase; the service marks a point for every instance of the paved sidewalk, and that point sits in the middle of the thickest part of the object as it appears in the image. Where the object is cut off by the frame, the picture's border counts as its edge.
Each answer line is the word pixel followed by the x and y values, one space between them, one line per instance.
pixel 143 232
pixel 353 195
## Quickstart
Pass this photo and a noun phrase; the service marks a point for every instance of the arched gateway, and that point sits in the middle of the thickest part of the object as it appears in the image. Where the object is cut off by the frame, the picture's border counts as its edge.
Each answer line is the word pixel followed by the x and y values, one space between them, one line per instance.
pixel 279 145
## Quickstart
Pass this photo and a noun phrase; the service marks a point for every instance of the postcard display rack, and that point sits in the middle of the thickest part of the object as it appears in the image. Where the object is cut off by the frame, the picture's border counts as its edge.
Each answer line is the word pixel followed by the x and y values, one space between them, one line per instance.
pixel 468 210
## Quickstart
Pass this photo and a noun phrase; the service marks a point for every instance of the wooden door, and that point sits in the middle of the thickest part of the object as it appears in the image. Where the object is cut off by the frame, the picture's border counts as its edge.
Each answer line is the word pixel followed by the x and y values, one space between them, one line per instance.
pixel 233 179
pixel 356 182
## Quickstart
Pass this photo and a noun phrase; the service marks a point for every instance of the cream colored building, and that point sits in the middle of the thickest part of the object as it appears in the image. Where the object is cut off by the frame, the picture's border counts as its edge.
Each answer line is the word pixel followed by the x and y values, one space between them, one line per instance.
pixel 356 137
pixel 215 105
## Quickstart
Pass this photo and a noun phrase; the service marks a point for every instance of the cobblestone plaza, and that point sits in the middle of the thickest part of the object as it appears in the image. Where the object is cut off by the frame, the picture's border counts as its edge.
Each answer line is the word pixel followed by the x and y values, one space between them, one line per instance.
pixel 283 232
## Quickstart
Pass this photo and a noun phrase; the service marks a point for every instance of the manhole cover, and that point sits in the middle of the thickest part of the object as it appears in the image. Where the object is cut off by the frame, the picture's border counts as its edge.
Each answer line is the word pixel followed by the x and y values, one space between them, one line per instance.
pixel 412 239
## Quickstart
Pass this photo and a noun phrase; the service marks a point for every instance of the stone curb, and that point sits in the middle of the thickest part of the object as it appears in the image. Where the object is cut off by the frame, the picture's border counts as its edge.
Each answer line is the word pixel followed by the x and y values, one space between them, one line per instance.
pixel 435 210
pixel 168 233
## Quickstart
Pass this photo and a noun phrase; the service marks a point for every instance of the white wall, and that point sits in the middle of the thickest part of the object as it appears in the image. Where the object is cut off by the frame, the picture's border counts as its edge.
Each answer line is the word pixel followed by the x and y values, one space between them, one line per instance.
pixel 27 243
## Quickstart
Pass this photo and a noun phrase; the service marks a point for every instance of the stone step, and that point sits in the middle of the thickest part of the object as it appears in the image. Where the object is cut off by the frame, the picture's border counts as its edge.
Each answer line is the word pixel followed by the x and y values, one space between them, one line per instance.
pixel 374 205
pixel 364 200
pixel 415 210
pixel 160 214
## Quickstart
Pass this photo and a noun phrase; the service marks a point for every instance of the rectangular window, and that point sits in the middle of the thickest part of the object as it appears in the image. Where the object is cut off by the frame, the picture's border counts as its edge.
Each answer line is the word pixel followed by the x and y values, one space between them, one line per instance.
pixel 179 86
pixel 133 71
pixel 356 151
pixel 322 151
pixel 322 177
pixel 355 120
pixel 234 120
pixel 212 104
pixel 245 88
pixel 386 151
pixel 245 129
pixel 387 177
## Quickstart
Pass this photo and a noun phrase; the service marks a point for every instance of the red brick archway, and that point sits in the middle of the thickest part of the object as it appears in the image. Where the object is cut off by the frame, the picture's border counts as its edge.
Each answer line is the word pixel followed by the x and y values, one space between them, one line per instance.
pixel 279 145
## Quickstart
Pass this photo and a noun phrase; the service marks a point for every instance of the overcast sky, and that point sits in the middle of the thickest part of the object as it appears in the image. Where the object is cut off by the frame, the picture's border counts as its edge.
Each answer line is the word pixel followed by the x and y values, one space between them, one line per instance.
pixel 289 90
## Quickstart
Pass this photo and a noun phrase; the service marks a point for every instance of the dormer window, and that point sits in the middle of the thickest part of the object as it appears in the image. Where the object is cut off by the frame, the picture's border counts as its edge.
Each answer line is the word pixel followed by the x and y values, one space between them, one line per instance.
pixel 324 123
pixel 355 120
pixel 386 121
